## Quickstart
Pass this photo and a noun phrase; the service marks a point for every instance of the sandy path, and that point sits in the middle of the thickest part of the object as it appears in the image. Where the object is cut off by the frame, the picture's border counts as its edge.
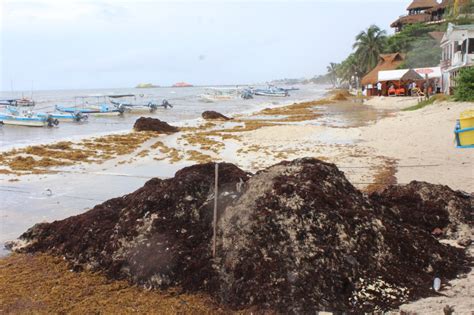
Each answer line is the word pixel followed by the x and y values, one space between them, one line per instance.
pixel 425 137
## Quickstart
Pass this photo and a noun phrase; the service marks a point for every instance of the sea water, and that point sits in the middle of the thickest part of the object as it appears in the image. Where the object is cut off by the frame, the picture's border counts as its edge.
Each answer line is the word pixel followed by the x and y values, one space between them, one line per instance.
pixel 187 105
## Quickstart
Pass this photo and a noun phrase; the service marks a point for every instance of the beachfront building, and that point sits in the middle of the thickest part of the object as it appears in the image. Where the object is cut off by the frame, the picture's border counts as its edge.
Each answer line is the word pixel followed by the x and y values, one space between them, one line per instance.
pixel 398 82
pixel 457 52
pixel 386 62
pixel 422 11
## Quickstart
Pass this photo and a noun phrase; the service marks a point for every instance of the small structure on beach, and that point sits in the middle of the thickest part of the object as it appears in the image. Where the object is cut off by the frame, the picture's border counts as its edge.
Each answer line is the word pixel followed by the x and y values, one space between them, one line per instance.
pixel 457 52
pixel 386 62
pixel 396 82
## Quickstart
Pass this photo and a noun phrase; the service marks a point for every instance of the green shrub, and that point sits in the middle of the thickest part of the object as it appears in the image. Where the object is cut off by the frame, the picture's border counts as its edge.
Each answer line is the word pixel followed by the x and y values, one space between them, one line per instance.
pixel 431 100
pixel 464 90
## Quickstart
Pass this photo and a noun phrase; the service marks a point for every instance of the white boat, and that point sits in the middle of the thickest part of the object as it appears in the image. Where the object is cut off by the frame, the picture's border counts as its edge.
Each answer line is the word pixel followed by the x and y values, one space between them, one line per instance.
pixel 66 117
pixel 27 118
pixel 18 102
pixel 97 107
pixel 127 103
pixel 271 91
pixel 219 95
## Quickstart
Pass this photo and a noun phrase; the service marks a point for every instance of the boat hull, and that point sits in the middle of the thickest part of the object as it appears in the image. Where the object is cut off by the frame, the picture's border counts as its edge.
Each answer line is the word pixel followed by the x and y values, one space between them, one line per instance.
pixel 27 123
pixel 271 94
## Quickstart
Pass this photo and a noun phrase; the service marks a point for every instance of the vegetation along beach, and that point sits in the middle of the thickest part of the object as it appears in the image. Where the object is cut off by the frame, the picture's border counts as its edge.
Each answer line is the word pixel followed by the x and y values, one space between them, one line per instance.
pixel 212 186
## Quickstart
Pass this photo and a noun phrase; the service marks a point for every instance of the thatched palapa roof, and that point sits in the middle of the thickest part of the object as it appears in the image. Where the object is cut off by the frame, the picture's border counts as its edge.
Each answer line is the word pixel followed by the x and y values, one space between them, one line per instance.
pixel 443 5
pixel 386 62
pixel 411 19
pixel 411 75
pixel 422 4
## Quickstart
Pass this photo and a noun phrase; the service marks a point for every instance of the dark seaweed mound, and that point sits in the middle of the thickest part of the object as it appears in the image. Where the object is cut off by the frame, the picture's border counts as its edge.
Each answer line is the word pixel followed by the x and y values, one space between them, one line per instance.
pixel 297 238
pixel 212 115
pixel 154 124
pixel 427 206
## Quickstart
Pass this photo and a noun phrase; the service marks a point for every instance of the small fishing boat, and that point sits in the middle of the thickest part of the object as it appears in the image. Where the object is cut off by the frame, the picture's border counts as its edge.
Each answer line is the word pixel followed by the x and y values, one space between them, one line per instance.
pixel 219 94
pixel 246 94
pixel 18 102
pixel 271 91
pixel 103 109
pixel 66 117
pixel 125 103
pixel 26 118
pixel 84 106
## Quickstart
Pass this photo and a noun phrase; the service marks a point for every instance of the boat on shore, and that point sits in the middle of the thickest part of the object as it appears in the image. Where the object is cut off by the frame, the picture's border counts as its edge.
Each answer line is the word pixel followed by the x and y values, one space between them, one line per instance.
pixel 127 103
pixel 27 118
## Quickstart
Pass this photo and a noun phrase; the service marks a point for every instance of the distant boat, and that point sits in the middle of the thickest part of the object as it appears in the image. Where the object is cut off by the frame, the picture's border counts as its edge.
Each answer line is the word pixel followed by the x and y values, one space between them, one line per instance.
pixel 219 95
pixel 182 84
pixel 18 102
pixel 271 91
pixel 27 118
pixel 246 94
pixel 125 103
pixel 100 107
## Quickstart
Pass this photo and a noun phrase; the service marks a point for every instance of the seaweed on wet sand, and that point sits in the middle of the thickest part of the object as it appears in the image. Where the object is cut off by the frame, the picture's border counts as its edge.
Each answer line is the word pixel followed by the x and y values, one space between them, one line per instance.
pixel 58 290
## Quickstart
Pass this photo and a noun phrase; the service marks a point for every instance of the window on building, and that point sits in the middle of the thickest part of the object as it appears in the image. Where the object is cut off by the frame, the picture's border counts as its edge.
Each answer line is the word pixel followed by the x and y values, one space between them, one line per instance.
pixel 470 49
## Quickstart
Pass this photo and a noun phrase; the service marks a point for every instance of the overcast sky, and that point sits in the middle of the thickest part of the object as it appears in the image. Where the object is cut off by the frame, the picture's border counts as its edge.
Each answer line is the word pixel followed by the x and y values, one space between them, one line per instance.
pixel 106 44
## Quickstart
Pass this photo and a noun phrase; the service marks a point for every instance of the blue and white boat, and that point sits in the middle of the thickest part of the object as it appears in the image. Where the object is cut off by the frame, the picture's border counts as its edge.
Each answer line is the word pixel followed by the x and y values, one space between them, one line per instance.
pixel 128 103
pixel 271 91
pixel 26 118
pixel 91 105
pixel 103 109
pixel 66 117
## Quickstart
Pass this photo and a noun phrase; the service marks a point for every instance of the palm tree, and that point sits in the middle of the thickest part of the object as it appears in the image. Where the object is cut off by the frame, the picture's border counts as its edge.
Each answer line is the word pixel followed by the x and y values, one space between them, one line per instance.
pixel 369 45
pixel 332 72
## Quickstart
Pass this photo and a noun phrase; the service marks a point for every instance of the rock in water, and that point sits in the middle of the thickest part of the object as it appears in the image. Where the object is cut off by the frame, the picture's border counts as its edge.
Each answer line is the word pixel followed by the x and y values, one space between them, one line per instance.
pixel 212 115
pixel 297 238
pixel 153 124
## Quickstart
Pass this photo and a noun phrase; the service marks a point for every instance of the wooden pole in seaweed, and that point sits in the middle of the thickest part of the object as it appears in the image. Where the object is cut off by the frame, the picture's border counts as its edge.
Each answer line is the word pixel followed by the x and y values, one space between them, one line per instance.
pixel 214 222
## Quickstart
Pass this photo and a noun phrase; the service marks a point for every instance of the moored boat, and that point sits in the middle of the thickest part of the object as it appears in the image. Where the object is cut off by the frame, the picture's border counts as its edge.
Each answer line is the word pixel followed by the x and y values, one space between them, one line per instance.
pixel 271 91
pixel 18 102
pixel 66 117
pixel 26 118
pixel 125 103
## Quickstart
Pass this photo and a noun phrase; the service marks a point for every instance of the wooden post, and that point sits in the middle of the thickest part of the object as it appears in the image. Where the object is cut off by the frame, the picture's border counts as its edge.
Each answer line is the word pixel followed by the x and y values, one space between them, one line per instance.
pixel 214 223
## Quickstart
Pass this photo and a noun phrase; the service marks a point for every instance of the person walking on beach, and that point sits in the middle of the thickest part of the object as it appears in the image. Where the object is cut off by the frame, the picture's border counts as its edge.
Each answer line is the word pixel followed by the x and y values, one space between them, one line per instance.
pixel 426 89
pixel 379 88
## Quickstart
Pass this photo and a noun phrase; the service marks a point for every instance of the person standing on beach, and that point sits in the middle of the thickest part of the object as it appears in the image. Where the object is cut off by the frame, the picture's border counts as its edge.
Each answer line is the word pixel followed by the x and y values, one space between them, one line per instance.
pixel 379 88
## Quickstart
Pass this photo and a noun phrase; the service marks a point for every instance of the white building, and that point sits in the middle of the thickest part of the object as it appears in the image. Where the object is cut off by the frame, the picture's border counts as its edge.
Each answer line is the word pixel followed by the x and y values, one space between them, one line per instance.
pixel 457 52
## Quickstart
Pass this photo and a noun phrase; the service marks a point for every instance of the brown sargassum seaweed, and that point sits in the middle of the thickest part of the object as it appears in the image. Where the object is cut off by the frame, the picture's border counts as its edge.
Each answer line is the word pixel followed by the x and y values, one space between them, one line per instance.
pixel 296 237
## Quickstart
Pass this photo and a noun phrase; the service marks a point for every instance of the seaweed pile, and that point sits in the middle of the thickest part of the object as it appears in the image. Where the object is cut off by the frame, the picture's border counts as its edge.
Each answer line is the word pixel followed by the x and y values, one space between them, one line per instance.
pixel 296 237
pixel 154 124
pixel 213 115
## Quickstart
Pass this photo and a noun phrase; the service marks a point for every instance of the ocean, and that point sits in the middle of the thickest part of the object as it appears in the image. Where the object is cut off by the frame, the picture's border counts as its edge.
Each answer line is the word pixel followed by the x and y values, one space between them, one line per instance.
pixel 187 106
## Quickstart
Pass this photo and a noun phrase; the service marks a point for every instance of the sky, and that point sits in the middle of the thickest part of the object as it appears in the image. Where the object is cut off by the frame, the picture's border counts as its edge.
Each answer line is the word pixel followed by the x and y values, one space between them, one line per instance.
pixel 70 44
